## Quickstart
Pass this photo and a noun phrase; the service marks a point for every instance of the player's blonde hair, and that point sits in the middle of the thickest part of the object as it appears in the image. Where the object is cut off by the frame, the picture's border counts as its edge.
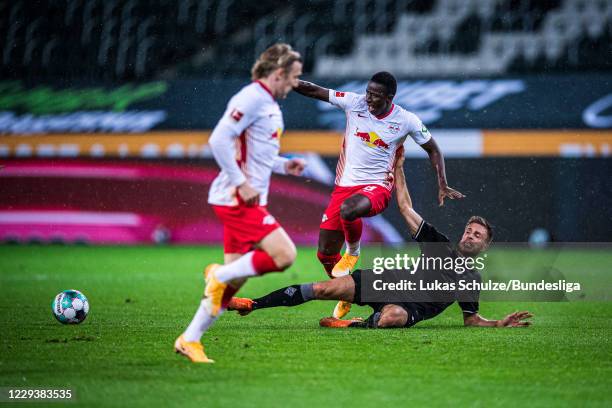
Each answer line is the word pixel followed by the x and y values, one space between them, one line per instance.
pixel 277 56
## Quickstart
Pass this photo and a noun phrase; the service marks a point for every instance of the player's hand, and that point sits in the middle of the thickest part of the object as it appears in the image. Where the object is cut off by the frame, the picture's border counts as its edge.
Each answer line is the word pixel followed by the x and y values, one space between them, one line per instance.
pixel 295 166
pixel 515 319
pixel 447 192
pixel 248 194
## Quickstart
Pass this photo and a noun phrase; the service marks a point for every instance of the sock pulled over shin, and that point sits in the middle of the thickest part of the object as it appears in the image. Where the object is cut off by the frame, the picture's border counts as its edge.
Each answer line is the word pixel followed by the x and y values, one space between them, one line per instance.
pixel 290 296
pixel 328 261
pixel 253 263
pixel 352 234
pixel 264 263
pixel 200 322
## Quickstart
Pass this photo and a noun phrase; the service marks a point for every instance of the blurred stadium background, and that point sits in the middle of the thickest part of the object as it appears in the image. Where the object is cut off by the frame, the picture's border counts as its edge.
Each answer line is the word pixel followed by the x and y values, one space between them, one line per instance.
pixel 106 107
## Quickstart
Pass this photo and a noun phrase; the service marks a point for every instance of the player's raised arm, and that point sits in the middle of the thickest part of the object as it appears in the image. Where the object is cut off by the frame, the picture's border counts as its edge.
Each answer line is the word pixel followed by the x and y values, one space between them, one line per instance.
pixel 437 162
pixel 412 218
pixel 516 319
pixel 312 90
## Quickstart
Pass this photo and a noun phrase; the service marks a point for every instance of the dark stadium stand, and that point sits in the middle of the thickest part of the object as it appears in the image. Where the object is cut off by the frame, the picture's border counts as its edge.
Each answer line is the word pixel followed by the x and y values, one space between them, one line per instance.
pixel 114 39
pixel 121 40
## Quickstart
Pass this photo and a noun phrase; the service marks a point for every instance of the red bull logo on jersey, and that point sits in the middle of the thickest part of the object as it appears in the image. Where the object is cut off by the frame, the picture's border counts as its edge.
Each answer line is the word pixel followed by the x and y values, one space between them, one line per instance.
pixel 372 139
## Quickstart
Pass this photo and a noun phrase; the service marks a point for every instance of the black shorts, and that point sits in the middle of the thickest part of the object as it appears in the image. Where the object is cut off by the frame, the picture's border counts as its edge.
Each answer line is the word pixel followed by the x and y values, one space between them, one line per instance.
pixel 414 313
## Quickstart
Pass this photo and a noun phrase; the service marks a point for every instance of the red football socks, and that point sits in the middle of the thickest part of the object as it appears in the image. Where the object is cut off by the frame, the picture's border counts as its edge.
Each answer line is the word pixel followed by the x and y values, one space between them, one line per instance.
pixel 263 263
pixel 328 261
pixel 352 230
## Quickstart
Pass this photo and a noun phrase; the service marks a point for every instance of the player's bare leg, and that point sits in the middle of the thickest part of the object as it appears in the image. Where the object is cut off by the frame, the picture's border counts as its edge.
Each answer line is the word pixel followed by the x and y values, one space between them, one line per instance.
pixel 275 253
pixel 330 244
pixel 342 288
pixel 189 343
pixel 351 212
pixel 193 349
pixel 234 285
pixel 279 246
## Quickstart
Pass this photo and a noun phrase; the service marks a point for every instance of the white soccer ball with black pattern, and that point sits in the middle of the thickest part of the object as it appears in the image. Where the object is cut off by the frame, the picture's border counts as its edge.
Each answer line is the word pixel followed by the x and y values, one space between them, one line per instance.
pixel 70 307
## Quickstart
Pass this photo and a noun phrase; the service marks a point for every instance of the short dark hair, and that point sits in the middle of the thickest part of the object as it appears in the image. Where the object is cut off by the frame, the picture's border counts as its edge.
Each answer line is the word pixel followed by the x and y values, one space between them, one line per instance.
pixel 387 80
pixel 476 219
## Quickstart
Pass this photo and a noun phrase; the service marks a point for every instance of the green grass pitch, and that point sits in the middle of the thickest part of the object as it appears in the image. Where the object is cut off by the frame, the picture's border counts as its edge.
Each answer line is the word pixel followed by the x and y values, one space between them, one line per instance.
pixel 143 297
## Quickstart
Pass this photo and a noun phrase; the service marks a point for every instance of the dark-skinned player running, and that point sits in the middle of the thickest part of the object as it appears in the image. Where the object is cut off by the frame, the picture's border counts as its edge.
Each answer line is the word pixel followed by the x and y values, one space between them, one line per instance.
pixel 376 130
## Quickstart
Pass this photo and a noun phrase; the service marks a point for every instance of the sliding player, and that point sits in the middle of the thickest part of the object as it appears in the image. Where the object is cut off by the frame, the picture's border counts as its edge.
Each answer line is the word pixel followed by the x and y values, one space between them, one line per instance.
pixel 476 238
pixel 245 144
pixel 375 132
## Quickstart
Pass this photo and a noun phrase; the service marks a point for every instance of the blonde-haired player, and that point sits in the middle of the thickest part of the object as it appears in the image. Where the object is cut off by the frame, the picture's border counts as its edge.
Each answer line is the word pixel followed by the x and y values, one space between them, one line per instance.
pixel 245 144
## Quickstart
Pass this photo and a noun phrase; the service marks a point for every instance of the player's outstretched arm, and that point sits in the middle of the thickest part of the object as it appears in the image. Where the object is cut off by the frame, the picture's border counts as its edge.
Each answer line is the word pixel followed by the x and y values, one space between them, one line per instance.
pixel 516 319
pixel 312 90
pixel 437 162
pixel 412 218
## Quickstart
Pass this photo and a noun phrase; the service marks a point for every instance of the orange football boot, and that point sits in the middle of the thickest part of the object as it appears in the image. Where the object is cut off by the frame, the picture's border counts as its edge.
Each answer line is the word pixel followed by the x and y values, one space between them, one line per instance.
pixel 334 323
pixel 243 306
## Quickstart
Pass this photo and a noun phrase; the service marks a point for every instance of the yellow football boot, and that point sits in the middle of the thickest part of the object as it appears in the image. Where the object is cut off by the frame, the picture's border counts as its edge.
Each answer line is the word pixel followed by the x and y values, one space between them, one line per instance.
pixel 193 350
pixel 342 309
pixel 345 265
pixel 214 289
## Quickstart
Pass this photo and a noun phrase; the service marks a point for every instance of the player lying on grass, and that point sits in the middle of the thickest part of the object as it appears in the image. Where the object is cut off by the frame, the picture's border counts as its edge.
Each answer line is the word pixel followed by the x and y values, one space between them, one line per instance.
pixel 375 132
pixel 476 238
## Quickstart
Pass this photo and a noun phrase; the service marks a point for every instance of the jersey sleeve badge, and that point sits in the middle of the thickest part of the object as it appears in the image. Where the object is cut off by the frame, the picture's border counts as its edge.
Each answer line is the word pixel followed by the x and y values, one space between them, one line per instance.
pixel 236 115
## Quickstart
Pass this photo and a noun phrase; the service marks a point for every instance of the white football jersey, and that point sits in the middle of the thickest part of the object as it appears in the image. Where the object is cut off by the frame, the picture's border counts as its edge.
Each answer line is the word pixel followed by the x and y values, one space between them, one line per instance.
pixel 254 114
pixel 370 143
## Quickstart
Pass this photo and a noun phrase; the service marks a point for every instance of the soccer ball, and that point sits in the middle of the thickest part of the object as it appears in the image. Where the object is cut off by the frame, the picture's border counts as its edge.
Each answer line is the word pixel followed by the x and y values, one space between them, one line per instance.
pixel 70 307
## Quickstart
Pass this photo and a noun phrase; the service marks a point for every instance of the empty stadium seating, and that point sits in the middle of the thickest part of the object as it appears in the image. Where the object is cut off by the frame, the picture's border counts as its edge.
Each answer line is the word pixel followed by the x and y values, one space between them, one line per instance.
pixel 113 39
pixel 139 39
pixel 485 37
